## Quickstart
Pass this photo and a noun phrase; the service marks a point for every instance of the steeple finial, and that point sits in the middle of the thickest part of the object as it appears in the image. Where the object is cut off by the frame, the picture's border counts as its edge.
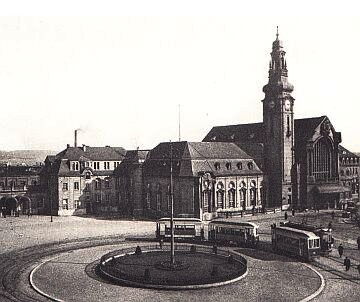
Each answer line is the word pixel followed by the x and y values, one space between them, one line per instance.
pixel 277 32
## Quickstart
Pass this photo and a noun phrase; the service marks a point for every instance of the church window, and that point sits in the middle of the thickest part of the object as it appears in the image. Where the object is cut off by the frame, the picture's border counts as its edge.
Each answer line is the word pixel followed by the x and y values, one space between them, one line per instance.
pixel 220 199
pixel 322 166
pixel 231 198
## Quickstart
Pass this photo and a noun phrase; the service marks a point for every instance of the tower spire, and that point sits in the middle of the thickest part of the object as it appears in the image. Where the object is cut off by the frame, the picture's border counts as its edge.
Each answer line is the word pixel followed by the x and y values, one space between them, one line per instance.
pixel 277 32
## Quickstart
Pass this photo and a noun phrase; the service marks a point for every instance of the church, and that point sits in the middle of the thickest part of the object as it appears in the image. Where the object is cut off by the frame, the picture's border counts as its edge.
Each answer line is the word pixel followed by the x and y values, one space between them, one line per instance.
pixel 279 163
pixel 299 156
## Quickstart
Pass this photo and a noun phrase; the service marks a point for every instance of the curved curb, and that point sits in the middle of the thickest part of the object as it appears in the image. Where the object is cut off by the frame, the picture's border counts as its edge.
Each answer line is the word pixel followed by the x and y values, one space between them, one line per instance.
pixel 38 290
pixel 173 287
pixel 319 290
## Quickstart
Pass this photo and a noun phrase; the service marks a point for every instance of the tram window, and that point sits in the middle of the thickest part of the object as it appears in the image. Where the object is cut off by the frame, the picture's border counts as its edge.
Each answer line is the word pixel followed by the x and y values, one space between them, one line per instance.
pixel 317 243
pixel 311 243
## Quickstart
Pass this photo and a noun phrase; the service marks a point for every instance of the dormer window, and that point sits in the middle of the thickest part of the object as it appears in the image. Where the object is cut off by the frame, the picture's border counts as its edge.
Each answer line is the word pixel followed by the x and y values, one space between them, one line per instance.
pixel 228 166
pixel 217 166
pixel 239 165
pixel 250 165
pixel 75 166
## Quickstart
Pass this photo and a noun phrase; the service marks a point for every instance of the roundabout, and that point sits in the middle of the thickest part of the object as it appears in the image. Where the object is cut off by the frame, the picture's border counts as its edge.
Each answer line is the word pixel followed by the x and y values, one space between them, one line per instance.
pixel 196 267
pixel 74 276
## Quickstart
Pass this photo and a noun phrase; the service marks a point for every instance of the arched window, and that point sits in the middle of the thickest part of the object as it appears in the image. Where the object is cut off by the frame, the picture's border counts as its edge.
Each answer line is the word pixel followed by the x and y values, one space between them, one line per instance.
pixel 231 194
pixel 97 184
pixel 250 165
pixel 217 166
pixel 107 183
pixel 242 195
pixel 228 166
pixel 239 165
pixel 220 195
pixel 322 166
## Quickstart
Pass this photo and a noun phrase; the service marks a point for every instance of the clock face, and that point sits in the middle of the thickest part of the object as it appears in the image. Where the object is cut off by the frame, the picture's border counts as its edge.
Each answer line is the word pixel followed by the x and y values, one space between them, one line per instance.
pixel 287 105
pixel 271 104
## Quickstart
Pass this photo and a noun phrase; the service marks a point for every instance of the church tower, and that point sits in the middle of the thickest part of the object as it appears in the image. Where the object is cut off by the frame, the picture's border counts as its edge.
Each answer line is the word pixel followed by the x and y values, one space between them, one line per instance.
pixel 278 119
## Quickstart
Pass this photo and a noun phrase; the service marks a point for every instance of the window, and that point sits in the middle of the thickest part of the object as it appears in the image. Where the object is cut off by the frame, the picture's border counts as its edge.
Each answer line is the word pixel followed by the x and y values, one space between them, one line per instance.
pixel 97 197
pixel 65 186
pixel 75 166
pixel 232 198
pixel 76 185
pixel 250 165
pixel 106 165
pixel 77 204
pixel 107 183
pixel 87 175
pixel 220 199
pixel 97 184
pixel 217 166
pixel 158 201
pixel 65 204
pixel 239 165
pixel 228 166
pixel 107 197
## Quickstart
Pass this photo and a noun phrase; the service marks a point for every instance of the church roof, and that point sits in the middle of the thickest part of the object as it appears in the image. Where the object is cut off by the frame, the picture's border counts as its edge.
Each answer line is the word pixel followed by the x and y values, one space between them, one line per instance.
pixel 243 132
pixel 251 136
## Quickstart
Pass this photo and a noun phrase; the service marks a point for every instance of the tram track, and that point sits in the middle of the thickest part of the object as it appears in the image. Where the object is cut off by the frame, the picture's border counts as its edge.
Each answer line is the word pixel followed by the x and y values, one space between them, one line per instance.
pixel 13 265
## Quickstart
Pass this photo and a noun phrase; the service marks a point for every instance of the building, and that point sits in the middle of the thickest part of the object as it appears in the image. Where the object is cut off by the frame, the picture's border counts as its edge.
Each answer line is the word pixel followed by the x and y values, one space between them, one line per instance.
pixel 79 180
pixel 20 189
pixel 209 179
pixel 349 176
pixel 299 156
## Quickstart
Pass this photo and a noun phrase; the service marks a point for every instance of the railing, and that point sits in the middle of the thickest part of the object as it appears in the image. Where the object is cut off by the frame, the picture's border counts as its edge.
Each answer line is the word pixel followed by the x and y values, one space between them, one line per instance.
pixel 191 248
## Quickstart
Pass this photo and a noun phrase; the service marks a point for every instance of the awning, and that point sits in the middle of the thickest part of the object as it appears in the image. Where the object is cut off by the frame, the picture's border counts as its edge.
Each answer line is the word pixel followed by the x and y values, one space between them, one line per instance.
pixel 330 189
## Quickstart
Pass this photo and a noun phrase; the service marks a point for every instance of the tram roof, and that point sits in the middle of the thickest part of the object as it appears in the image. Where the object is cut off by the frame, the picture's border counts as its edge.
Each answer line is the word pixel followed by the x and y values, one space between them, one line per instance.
pixel 177 219
pixel 308 234
pixel 238 223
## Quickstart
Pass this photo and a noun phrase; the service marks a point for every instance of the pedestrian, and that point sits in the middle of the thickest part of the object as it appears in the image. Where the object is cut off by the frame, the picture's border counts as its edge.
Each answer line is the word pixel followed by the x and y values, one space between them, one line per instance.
pixel 358 242
pixel 286 216
pixel 161 243
pixel 347 263
pixel 340 250
pixel 333 215
pixel 293 212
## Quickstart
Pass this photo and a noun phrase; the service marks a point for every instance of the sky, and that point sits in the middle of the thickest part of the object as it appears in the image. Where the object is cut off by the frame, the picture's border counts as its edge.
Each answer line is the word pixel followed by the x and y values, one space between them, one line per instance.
pixel 121 73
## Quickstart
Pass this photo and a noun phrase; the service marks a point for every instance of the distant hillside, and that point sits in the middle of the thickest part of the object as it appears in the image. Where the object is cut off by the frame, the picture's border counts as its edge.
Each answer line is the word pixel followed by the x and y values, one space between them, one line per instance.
pixel 27 157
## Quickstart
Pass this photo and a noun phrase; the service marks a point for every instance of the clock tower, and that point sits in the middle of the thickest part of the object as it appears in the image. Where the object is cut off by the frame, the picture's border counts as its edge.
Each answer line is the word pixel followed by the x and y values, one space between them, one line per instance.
pixel 278 119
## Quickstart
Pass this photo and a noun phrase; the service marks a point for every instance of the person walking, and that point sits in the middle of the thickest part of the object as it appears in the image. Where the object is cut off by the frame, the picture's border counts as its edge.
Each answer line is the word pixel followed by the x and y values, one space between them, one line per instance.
pixel 347 263
pixel 340 250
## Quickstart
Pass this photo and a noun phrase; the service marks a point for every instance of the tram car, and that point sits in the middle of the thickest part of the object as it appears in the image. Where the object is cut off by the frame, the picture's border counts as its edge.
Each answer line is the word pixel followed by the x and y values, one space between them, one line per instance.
pixel 325 234
pixel 184 228
pixel 295 242
pixel 239 233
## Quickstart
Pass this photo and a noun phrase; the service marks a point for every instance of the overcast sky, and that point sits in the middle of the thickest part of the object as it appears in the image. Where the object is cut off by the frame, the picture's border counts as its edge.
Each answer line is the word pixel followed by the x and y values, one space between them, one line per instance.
pixel 122 78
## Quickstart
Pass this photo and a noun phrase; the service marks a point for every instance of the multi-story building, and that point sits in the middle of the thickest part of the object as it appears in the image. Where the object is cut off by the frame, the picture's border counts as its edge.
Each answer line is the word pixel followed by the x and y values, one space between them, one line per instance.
pixel 79 180
pixel 349 176
pixel 18 185
pixel 209 179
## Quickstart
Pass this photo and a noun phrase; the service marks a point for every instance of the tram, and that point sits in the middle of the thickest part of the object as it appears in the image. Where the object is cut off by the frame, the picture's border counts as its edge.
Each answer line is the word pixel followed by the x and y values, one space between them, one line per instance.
pixel 239 233
pixel 295 242
pixel 184 228
pixel 325 234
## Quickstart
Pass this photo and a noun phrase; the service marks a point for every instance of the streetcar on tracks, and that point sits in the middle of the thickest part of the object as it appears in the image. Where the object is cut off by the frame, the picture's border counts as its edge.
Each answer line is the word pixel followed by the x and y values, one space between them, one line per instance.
pixel 295 242
pixel 184 229
pixel 231 232
pixel 325 234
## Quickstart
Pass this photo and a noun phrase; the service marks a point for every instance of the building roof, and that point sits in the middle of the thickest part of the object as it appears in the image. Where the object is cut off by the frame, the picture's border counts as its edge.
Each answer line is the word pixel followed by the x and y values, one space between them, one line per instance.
pixel 193 158
pixel 92 153
pixel 344 153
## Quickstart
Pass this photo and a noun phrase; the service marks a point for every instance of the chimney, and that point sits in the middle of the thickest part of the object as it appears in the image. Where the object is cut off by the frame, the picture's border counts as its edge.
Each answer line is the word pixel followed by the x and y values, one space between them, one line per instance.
pixel 67 146
pixel 75 142
pixel 84 147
